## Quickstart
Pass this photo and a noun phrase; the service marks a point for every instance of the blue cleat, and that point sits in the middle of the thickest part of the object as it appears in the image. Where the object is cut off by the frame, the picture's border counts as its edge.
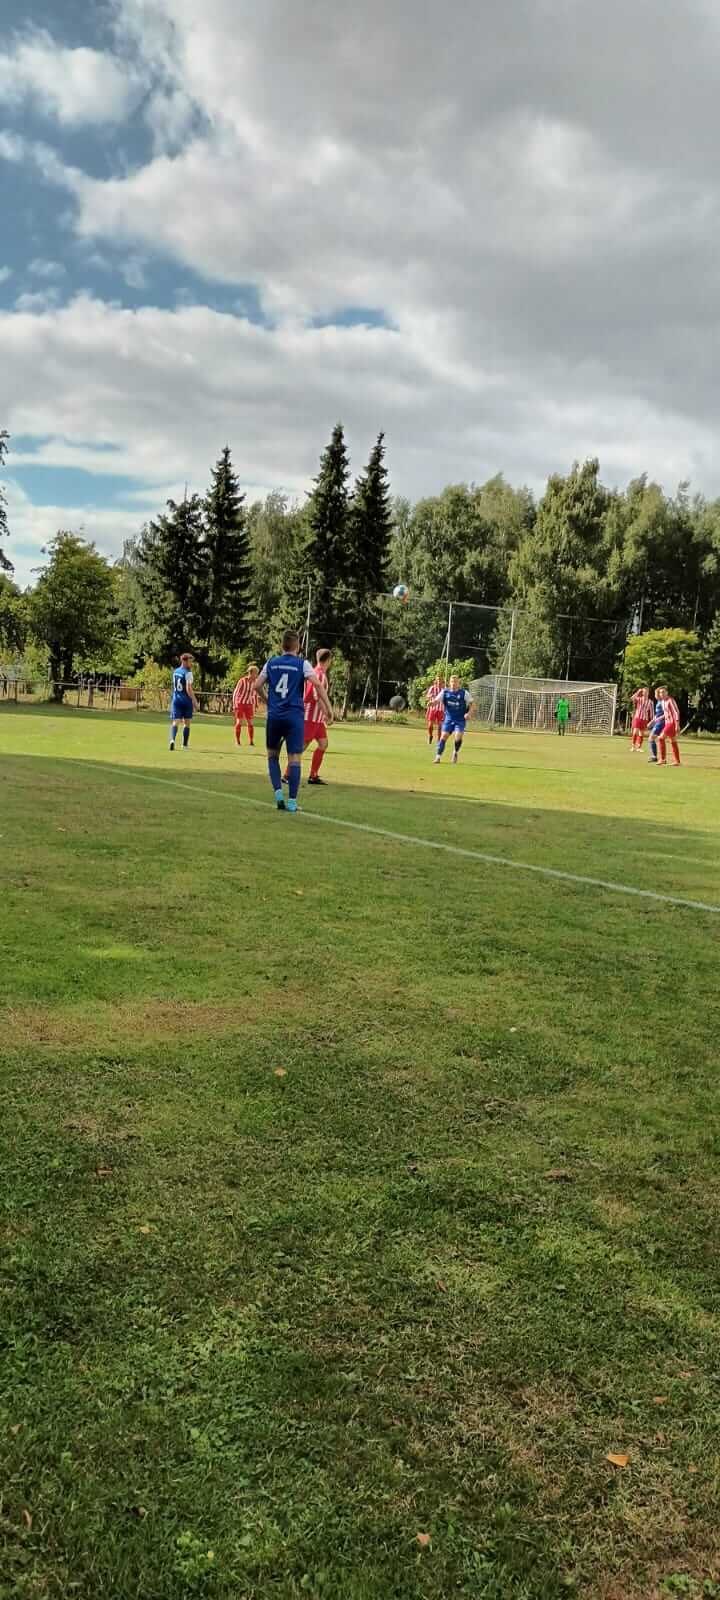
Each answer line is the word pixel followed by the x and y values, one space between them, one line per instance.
pixel 292 805
pixel 279 799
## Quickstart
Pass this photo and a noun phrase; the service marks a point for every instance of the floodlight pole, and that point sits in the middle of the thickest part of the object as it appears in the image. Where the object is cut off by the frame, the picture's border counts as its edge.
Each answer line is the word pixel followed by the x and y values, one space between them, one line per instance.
pixel 380 651
pixel 307 619
pixel 447 642
pixel 509 665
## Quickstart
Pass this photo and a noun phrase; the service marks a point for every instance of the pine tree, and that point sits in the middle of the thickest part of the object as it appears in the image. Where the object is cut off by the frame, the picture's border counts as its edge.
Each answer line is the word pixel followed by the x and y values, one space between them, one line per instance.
pixel 372 523
pixel 5 565
pixel 226 568
pixel 324 560
pixel 170 569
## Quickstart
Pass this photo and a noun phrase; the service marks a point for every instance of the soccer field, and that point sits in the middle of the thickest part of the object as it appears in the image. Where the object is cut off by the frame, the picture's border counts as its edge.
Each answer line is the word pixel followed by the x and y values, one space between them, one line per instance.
pixel 358 1197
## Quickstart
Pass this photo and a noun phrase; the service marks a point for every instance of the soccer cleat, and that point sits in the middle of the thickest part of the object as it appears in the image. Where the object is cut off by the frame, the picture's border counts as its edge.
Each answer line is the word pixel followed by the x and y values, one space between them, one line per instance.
pixel 315 779
pixel 172 744
pixel 279 799
pixel 286 777
pixel 292 805
pixel 436 762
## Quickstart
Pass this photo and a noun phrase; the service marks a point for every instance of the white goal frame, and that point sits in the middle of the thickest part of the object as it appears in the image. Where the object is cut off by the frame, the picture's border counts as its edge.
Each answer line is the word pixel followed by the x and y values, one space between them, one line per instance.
pixel 528 705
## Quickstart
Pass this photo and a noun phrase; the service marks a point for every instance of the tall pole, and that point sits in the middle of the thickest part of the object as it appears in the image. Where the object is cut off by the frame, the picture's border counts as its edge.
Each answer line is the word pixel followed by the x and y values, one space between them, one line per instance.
pixel 447 642
pixel 307 619
pixel 380 651
pixel 509 666
pixel 614 711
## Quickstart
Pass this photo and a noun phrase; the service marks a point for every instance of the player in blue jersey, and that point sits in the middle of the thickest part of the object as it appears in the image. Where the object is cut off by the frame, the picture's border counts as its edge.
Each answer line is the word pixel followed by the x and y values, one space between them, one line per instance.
pixel 657 728
pixel 455 703
pixel 183 702
pixel 284 677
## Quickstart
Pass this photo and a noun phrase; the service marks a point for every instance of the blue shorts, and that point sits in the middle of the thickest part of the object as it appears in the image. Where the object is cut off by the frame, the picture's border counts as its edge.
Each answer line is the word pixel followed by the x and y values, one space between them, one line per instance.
pixel 181 708
pixel 288 730
pixel 656 728
pixel 453 725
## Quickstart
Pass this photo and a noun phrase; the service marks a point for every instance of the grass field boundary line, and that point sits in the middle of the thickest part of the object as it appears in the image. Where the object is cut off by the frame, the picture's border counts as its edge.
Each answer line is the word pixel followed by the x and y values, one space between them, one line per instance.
pixel 413 839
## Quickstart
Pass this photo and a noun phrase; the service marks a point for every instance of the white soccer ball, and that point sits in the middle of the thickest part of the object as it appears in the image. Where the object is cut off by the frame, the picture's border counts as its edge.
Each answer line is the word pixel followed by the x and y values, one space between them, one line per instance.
pixel 401 592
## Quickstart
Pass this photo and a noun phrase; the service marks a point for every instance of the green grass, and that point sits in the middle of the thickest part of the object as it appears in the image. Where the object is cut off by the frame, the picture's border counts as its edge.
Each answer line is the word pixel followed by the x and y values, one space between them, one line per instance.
pixel 426 1280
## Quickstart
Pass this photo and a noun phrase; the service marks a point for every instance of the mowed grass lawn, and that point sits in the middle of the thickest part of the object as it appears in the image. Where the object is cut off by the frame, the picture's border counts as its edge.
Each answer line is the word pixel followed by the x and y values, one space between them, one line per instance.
pixel 358 1200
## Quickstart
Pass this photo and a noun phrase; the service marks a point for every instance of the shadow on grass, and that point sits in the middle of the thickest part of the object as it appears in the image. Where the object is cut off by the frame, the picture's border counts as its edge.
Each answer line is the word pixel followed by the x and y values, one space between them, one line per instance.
pixel 583 843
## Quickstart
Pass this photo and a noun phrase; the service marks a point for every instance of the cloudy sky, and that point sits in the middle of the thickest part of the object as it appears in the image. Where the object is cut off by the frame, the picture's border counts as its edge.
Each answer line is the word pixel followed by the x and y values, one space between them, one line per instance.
pixel 491 230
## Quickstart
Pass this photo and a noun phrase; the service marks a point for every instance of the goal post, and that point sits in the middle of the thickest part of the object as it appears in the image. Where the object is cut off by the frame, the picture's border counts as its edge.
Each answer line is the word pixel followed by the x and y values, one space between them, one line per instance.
pixel 529 705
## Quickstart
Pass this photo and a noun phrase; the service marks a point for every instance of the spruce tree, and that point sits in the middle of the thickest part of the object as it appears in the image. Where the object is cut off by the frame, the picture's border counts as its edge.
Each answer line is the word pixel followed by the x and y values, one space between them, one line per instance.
pixel 372 522
pixel 226 568
pixel 170 570
pixel 324 560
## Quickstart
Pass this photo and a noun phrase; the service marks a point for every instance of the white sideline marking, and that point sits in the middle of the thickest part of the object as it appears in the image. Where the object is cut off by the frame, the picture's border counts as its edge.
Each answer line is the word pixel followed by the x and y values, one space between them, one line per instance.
pixel 425 844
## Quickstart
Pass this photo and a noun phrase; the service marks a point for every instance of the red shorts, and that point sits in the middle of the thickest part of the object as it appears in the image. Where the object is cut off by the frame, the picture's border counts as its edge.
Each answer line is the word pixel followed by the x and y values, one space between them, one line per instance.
pixel 315 730
pixel 670 731
pixel 435 714
pixel 638 726
pixel 244 713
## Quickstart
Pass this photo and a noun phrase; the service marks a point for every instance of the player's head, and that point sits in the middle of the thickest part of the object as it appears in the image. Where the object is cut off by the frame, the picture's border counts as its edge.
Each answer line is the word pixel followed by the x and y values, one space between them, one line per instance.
pixel 252 670
pixel 323 658
pixel 291 642
pixel 186 659
pixel 662 692
pixel 454 681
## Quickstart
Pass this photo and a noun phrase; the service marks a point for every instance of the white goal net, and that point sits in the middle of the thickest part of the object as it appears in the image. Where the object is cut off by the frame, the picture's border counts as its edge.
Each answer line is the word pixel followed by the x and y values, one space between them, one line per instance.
pixel 530 704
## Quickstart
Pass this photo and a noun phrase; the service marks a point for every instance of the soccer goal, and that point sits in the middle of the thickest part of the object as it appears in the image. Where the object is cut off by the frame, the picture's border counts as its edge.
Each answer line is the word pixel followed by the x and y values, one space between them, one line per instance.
pixel 529 704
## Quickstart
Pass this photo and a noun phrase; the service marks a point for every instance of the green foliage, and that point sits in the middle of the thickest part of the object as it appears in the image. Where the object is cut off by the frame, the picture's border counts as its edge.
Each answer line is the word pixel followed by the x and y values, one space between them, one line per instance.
pixel 709 711
pixel 465 670
pixel 169 564
pixel 669 656
pixel 13 617
pixel 72 608
pixel 154 680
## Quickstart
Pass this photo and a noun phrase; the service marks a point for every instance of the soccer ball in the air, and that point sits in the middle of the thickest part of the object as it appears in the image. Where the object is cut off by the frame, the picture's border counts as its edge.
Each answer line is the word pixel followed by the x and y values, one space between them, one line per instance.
pixel 397 703
pixel 401 592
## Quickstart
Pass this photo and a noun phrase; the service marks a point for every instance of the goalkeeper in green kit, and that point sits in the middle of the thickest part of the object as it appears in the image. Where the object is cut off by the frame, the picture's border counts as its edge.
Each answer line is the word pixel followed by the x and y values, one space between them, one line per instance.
pixel 562 714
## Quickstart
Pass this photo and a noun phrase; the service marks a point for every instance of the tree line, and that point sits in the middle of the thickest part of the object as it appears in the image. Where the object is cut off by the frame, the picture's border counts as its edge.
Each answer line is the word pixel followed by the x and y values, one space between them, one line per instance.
pixel 585 568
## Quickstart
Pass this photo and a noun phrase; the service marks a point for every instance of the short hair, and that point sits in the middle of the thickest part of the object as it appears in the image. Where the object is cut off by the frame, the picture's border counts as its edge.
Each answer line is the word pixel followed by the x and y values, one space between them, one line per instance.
pixel 252 666
pixel 321 656
pixel 186 655
pixel 290 639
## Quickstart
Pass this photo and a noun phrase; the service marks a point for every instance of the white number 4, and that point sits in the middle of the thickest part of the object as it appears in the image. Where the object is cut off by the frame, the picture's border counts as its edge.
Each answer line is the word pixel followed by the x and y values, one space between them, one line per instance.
pixel 281 686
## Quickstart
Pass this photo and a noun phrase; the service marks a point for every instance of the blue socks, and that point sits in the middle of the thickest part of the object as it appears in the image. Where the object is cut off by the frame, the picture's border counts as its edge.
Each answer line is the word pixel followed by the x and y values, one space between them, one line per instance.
pixel 294 776
pixel 441 746
pixel 275 773
pixel 186 738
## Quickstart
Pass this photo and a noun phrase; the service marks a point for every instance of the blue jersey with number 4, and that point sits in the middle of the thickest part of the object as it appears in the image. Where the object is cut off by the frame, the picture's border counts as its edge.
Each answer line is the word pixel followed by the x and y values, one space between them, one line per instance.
pixel 286 684
pixel 181 687
pixel 455 704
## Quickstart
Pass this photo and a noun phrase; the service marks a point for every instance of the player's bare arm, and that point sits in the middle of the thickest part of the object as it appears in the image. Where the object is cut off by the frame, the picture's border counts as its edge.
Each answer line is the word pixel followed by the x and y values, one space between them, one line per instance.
pixel 322 695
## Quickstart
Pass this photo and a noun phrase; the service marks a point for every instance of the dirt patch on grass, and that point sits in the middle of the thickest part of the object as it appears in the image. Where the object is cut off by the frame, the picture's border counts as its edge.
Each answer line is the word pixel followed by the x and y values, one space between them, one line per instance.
pixel 74 1028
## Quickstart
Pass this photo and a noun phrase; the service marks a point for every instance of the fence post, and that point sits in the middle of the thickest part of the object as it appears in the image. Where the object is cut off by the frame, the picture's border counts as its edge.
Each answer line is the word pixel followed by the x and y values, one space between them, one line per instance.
pixel 137 698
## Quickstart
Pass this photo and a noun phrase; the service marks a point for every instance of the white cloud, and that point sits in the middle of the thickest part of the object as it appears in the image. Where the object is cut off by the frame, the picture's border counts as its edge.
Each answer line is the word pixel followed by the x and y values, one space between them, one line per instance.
pixel 41 300
pixel 75 86
pixel 40 268
pixel 5 273
pixel 33 526
pixel 133 271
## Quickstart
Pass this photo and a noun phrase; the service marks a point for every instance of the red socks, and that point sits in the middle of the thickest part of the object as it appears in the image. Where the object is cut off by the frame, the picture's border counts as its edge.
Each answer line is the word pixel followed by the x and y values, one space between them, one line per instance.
pixel 316 762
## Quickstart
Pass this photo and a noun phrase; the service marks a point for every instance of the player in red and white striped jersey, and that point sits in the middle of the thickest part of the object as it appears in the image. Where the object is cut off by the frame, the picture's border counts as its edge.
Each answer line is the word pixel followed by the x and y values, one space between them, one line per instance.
pixel 316 722
pixel 434 713
pixel 245 699
pixel 642 716
pixel 671 712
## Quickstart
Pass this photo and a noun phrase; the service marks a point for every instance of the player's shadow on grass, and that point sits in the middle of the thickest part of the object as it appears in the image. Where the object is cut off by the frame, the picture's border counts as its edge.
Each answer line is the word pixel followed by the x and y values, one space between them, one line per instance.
pixel 583 843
